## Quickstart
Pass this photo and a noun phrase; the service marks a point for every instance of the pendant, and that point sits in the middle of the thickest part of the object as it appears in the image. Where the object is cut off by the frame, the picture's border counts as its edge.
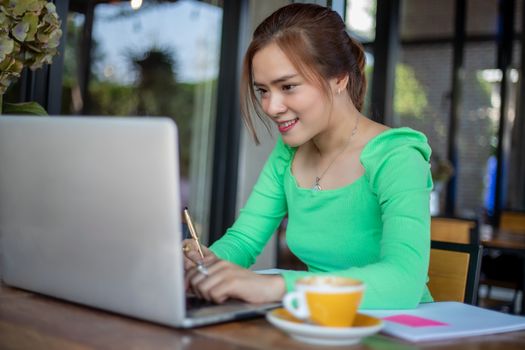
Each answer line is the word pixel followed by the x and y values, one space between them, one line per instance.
pixel 316 187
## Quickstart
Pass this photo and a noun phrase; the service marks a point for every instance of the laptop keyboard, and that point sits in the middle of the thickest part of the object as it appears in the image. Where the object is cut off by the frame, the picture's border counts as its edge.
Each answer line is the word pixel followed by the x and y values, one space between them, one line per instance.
pixel 201 308
pixel 193 303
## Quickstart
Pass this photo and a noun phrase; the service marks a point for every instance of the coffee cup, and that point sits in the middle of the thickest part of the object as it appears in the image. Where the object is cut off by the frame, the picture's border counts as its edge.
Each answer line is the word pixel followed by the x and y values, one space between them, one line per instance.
pixel 329 301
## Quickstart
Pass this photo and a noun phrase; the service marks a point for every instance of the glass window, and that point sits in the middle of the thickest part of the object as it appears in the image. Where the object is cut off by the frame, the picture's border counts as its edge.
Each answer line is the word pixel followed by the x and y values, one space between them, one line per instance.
pixel 423 81
pixel 157 59
pixel 422 92
pixel 482 17
pixel 361 23
pixel 515 182
pixel 519 17
pixel 427 19
pixel 361 19
pixel 478 128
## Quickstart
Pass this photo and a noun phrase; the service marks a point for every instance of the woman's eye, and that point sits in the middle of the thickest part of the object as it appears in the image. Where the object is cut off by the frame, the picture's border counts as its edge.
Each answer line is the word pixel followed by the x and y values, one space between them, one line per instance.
pixel 260 91
pixel 288 87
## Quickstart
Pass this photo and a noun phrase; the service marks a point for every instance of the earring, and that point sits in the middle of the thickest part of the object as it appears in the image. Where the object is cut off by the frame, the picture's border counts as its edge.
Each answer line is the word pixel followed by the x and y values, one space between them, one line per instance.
pixel 339 91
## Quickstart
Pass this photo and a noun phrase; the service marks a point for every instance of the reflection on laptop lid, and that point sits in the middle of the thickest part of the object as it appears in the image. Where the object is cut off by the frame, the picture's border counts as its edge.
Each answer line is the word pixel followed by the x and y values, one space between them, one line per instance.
pixel 90 212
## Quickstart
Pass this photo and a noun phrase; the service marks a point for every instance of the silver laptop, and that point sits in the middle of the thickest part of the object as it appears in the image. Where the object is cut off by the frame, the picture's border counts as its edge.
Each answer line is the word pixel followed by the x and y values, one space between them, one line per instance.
pixel 90 212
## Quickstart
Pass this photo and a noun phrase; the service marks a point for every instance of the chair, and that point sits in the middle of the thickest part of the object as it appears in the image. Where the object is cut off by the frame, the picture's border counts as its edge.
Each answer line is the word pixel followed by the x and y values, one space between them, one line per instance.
pixel 504 270
pixel 455 230
pixel 454 271
pixel 512 221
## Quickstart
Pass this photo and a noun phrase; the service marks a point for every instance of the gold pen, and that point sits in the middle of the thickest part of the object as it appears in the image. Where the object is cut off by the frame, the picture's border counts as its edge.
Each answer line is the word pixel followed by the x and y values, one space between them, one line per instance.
pixel 192 231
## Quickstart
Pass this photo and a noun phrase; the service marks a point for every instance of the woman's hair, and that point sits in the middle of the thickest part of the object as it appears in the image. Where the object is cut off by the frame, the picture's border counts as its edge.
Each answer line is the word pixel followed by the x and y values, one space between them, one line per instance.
pixel 315 40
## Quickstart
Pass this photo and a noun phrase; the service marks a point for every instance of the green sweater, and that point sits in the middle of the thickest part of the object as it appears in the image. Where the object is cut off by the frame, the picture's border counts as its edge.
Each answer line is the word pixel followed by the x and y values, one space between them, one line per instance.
pixel 376 229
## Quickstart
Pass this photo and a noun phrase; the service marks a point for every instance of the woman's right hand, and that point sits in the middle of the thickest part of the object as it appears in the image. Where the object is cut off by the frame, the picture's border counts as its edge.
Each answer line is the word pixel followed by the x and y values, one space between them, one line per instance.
pixel 192 257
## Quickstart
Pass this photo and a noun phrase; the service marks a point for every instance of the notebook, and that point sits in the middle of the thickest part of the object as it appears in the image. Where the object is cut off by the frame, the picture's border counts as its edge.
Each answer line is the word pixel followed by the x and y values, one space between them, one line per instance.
pixel 90 213
pixel 445 320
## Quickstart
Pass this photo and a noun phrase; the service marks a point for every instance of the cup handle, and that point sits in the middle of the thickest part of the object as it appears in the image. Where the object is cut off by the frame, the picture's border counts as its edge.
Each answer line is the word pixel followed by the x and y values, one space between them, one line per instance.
pixel 301 310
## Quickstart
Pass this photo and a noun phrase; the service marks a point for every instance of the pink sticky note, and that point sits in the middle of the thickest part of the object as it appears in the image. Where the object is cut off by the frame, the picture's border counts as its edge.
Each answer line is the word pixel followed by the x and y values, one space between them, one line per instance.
pixel 414 321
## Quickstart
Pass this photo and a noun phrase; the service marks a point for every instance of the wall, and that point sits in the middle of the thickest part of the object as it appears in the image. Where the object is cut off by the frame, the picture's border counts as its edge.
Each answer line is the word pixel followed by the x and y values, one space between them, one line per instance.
pixel 253 157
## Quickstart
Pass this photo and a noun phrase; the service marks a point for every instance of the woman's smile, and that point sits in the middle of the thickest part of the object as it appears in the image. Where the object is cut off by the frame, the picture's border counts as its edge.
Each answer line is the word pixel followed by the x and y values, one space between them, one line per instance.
pixel 287 125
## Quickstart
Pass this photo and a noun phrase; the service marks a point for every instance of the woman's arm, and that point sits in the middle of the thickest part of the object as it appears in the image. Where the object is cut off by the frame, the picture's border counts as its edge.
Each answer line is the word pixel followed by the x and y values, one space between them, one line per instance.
pixel 228 258
pixel 261 215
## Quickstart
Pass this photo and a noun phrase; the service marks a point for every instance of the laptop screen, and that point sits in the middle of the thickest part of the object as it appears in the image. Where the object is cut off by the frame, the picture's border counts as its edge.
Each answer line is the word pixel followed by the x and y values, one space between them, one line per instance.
pixel 90 212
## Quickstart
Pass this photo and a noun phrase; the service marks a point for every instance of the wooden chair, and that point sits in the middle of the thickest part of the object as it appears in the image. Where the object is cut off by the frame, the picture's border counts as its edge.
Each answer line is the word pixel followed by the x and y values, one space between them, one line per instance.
pixel 512 221
pixel 454 271
pixel 504 270
pixel 455 230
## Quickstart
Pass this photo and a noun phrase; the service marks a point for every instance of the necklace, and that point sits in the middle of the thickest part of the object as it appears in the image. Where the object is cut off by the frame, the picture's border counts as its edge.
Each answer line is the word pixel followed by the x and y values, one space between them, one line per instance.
pixel 317 186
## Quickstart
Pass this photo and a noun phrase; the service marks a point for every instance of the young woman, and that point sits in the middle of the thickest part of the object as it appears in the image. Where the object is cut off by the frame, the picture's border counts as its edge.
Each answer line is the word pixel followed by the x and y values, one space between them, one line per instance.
pixel 356 192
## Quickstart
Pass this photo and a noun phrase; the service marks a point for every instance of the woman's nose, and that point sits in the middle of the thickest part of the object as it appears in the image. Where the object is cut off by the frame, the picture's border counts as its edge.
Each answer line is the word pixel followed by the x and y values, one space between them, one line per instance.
pixel 275 105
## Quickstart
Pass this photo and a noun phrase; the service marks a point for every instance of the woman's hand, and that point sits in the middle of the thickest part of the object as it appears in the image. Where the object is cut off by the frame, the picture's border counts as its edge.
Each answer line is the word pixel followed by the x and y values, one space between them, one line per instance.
pixel 226 280
pixel 192 257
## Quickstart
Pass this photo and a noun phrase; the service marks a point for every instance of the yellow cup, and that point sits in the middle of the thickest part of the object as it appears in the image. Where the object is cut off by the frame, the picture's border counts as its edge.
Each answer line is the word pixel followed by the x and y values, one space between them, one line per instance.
pixel 325 300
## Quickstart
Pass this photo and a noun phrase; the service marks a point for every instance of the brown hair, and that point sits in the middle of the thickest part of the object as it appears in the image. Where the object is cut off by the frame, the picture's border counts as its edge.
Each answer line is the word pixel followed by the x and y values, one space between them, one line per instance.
pixel 315 40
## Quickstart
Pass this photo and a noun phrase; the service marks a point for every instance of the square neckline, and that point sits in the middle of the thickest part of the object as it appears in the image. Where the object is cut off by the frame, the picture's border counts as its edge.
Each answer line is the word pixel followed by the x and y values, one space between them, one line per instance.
pixel 351 184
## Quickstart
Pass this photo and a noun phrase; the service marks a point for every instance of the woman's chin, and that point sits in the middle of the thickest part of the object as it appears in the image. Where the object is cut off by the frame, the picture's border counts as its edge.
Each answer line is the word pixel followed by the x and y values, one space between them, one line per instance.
pixel 292 141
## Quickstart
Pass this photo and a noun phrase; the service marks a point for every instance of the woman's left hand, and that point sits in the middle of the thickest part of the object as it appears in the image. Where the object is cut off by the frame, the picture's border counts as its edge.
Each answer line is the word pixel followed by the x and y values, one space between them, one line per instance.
pixel 226 280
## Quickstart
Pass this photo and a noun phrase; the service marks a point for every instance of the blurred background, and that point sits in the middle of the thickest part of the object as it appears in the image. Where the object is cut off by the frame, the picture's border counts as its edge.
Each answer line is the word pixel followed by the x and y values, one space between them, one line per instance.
pixel 449 68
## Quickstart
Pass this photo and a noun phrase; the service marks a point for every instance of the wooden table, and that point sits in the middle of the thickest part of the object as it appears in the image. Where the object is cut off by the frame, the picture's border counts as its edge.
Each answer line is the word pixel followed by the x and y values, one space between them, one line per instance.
pixel 507 242
pixel 32 321
pixel 504 239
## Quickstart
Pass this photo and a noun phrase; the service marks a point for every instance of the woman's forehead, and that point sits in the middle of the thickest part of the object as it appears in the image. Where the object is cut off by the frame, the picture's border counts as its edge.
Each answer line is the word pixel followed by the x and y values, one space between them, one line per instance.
pixel 270 63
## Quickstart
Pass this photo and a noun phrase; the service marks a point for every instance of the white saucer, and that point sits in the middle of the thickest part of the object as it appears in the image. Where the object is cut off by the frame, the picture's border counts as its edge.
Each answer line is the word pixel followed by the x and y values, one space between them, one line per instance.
pixel 364 325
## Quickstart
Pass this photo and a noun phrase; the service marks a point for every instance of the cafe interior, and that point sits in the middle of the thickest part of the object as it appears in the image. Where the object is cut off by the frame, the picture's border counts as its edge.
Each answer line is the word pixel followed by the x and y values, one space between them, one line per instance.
pixel 451 69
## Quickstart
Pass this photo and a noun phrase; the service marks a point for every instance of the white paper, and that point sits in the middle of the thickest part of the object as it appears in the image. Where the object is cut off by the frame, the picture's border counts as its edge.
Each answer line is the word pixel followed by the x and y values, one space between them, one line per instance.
pixel 462 320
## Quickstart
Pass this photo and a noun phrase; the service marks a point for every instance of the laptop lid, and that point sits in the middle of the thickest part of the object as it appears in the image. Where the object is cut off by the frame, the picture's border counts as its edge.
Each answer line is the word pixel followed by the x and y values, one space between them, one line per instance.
pixel 90 212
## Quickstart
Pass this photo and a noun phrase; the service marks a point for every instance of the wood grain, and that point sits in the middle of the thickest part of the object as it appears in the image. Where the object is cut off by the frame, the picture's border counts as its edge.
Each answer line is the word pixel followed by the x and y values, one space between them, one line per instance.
pixel 32 321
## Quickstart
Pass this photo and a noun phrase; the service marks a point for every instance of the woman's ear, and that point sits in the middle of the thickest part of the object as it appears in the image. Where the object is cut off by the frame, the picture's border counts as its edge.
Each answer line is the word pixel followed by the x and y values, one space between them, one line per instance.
pixel 339 84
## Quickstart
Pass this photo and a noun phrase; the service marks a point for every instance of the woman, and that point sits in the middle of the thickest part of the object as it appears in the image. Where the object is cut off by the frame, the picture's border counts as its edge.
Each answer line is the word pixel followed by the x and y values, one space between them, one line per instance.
pixel 356 192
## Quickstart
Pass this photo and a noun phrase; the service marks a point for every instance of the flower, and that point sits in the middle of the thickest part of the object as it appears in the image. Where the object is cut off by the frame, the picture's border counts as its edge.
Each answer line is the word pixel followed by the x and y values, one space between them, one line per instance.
pixel 29 37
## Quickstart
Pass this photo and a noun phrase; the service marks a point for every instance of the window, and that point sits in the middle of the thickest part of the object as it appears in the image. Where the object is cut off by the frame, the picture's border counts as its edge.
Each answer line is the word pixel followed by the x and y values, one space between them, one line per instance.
pixel 360 20
pixel 160 59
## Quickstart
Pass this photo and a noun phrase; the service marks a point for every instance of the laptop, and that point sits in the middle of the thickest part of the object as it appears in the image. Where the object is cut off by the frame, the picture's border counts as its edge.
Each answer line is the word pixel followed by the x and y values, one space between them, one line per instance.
pixel 90 213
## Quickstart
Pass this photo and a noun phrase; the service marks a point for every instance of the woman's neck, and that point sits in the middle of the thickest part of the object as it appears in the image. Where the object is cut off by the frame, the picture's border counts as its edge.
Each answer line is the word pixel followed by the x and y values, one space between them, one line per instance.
pixel 342 125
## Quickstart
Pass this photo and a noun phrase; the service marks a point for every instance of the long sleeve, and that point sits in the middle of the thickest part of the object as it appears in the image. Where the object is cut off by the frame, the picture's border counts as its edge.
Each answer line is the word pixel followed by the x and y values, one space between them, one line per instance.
pixel 261 215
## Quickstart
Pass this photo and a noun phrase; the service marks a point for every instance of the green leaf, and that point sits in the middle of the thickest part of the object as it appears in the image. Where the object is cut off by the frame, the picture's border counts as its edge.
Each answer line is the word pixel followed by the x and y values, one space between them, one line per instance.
pixel 28 108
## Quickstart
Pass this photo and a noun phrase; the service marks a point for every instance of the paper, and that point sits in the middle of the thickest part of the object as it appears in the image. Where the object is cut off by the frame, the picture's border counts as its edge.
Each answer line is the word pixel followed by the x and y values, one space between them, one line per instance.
pixel 445 320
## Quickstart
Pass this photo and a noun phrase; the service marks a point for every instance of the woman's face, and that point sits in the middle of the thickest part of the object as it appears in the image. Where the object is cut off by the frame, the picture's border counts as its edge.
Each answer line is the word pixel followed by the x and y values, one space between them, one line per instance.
pixel 299 108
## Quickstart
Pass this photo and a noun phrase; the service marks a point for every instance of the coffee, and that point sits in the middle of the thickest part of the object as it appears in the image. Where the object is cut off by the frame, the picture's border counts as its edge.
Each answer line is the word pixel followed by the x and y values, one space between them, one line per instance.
pixel 330 301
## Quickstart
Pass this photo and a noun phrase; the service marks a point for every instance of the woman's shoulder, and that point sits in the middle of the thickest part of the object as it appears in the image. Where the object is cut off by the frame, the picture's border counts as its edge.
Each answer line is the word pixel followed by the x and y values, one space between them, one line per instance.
pixel 282 153
pixel 282 148
pixel 387 142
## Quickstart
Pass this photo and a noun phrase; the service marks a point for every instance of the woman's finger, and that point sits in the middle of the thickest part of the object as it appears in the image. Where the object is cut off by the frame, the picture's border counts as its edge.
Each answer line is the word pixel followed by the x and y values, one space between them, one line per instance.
pixel 217 273
pixel 191 251
pixel 196 277
pixel 188 264
pixel 199 274
pixel 203 284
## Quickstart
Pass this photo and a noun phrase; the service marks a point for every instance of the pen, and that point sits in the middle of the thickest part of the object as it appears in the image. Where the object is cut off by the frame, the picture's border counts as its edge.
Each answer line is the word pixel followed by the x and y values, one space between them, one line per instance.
pixel 192 231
